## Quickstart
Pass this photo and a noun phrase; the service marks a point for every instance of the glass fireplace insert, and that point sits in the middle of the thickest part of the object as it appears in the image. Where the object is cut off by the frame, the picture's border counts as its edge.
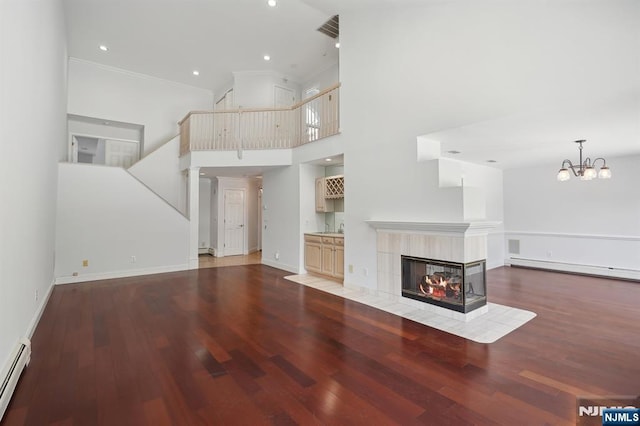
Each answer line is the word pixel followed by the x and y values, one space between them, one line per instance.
pixel 457 286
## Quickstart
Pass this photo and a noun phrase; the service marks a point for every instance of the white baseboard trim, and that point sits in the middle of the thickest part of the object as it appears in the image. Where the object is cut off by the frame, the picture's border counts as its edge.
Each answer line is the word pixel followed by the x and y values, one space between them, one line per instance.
pixel 494 265
pixel 203 250
pixel 36 318
pixel 628 274
pixel 283 266
pixel 120 274
pixel 213 252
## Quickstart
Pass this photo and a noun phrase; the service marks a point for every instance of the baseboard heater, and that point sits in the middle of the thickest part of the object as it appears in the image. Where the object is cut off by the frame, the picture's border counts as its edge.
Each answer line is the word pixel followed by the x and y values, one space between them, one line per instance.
pixel 11 373
pixel 600 271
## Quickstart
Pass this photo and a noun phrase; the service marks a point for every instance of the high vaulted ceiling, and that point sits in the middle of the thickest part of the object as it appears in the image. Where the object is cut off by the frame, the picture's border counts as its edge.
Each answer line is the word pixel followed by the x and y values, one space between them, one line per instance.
pixel 170 38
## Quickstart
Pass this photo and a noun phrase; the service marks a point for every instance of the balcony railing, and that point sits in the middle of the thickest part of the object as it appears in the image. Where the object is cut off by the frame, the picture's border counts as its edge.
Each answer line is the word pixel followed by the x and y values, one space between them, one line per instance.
pixel 262 128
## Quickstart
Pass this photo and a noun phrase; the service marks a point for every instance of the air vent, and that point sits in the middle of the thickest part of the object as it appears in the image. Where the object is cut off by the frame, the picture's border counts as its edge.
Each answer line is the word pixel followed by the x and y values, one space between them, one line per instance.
pixel 331 27
pixel 514 246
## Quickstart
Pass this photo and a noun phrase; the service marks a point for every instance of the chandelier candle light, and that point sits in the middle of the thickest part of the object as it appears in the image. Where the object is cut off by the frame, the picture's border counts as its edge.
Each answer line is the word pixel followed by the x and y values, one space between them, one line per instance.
pixel 585 169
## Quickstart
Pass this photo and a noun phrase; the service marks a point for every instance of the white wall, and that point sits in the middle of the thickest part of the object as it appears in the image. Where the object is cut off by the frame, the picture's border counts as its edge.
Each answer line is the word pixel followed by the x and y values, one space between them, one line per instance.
pixel 33 79
pixel 253 207
pixel 256 88
pixel 417 75
pixel 113 94
pixel 595 223
pixel 281 235
pixel 321 80
pixel 160 171
pixel 213 217
pixel 106 216
pixel 204 217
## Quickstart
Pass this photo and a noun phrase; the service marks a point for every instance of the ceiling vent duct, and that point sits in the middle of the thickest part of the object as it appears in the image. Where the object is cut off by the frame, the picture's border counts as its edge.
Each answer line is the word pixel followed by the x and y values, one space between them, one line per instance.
pixel 331 27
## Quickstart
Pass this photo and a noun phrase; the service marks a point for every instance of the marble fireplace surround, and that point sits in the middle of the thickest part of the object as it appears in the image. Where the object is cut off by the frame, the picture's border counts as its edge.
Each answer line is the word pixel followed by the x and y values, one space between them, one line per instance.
pixel 460 242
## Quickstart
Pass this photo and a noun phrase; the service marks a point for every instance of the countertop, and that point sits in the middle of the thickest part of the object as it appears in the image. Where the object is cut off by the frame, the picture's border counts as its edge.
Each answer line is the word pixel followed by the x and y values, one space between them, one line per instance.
pixel 326 234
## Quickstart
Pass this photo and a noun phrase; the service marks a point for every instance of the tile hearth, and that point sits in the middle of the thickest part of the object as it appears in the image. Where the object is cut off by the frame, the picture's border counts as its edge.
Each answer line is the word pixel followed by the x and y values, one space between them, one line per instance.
pixel 497 322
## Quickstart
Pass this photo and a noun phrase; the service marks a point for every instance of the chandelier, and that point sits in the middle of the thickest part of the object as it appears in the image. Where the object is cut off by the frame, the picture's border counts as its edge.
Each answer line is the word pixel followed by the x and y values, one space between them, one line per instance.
pixel 585 170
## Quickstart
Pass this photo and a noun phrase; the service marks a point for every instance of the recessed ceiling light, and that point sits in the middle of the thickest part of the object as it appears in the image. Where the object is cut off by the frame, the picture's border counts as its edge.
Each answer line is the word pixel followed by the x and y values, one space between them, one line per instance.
pixel 337 45
pixel 272 3
pixel 328 159
pixel 201 174
pixel 103 48
pixel 453 151
pixel 491 161
pixel 196 72
pixel 267 57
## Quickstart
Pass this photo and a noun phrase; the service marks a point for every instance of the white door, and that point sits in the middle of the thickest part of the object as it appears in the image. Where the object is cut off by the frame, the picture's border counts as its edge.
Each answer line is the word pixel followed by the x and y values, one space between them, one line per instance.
pixel 234 228
pixel 121 153
pixel 283 97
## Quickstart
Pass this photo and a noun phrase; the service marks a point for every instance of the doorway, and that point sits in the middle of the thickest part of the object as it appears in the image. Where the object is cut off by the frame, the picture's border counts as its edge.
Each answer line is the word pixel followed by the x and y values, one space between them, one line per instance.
pixel 106 152
pixel 234 218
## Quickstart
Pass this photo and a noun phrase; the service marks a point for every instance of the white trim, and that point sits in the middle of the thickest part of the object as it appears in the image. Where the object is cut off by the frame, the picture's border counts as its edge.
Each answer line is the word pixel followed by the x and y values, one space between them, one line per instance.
pixel 136 74
pixel 120 274
pixel 36 318
pixel 630 274
pixel 283 266
pixel 439 228
pixel 565 235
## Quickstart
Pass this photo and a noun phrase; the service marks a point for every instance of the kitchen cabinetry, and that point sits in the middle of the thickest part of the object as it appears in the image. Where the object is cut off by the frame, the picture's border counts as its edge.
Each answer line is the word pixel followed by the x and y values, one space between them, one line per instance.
pixel 322 204
pixel 313 253
pixel 324 255
pixel 328 189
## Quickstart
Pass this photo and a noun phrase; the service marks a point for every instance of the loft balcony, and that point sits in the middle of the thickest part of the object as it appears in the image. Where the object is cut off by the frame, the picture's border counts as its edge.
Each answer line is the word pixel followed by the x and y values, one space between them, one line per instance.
pixel 251 129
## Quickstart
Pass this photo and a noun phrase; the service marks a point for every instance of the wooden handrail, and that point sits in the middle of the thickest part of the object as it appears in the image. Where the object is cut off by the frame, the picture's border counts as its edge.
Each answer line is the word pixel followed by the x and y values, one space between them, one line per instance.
pixel 239 110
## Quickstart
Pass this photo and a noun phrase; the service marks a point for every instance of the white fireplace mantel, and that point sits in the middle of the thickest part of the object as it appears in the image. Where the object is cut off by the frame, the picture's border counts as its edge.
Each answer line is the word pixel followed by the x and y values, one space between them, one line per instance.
pixel 436 228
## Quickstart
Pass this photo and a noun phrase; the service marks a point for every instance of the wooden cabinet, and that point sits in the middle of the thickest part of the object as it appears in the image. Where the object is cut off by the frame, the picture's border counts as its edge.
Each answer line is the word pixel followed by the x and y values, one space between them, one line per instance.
pixel 324 255
pixel 338 270
pixel 313 253
pixel 328 189
pixel 323 205
pixel 328 254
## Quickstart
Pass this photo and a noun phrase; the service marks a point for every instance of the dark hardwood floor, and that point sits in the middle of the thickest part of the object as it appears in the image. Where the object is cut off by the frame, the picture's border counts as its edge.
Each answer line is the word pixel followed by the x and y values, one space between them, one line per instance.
pixel 242 345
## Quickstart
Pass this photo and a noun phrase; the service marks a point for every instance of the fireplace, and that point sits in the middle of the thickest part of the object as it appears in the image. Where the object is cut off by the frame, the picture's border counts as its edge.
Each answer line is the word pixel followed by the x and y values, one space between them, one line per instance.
pixel 460 287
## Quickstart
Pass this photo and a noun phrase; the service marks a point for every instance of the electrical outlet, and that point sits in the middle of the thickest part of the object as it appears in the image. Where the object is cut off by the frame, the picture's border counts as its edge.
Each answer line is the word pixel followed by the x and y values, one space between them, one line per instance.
pixel 549 254
pixel 365 272
pixel 85 263
pixel 351 269
pixel 133 259
pixel 75 274
pixel 277 255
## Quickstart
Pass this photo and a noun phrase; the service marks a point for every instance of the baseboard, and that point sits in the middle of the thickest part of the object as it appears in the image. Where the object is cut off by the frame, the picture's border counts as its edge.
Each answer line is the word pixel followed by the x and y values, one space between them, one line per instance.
pixel 601 271
pixel 120 274
pixel 283 266
pixel 203 250
pixel 494 265
pixel 213 252
pixel 36 318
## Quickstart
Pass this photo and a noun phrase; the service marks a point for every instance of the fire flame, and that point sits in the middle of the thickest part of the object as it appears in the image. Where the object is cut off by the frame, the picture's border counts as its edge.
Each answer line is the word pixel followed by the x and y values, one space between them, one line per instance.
pixel 434 287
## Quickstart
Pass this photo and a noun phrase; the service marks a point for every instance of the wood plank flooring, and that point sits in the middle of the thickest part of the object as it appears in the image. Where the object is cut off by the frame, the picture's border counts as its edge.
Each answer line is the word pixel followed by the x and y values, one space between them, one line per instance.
pixel 241 345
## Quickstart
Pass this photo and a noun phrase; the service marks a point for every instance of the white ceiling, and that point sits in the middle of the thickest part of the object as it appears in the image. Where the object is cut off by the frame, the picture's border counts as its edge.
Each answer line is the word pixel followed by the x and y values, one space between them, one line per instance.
pixel 171 38
pixel 610 129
